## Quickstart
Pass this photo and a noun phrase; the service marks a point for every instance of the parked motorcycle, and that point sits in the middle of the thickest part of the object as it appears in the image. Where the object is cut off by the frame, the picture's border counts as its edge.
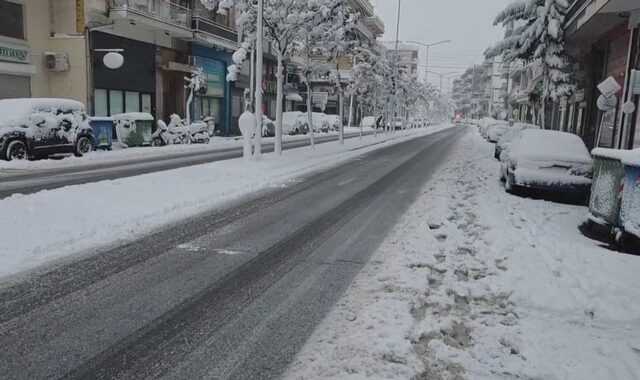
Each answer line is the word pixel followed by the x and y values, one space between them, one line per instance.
pixel 177 132
pixel 174 133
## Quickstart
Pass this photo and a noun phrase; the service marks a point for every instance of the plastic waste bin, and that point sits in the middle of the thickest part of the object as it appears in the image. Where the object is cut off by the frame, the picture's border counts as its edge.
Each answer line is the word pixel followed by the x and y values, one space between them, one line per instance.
pixel 630 207
pixel 608 175
pixel 103 131
pixel 134 128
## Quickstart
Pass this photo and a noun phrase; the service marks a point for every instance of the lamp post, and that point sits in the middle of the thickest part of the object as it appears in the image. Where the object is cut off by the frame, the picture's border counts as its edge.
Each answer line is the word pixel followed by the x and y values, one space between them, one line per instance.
pixel 427 57
pixel 258 96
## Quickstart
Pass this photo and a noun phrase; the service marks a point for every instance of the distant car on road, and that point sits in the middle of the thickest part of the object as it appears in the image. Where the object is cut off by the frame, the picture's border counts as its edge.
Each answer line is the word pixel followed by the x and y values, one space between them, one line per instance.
pixel 547 160
pixel 38 128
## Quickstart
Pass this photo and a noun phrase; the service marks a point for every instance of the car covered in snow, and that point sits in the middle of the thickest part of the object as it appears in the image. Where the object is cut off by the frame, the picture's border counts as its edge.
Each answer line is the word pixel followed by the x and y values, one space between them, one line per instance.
pixel 40 127
pixel 495 130
pixel 547 160
pixel 484 123
pixel 333 122
pixel 320 122
pixel 509 135
pixel 294 123
pixel 368 122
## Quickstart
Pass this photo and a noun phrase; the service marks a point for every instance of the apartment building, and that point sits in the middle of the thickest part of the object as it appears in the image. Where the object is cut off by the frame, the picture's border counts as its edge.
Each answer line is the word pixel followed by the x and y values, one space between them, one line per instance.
pixel 602 35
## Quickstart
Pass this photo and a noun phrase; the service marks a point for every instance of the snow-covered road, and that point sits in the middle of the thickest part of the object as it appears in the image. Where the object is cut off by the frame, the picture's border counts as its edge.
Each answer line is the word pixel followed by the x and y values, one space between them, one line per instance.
pixel 476 283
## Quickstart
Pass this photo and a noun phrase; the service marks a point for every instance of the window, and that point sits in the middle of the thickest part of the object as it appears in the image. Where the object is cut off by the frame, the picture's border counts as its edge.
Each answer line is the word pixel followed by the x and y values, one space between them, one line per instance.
pixel 146 103
pixel 101 102
pixel 132 101
pixel 11 19
pixel 235 106
pixel 115 102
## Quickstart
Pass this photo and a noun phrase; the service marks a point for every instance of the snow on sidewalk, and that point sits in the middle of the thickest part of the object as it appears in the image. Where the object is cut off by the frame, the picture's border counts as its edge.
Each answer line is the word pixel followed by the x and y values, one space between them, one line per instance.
pixel 476 283
pixel 48 225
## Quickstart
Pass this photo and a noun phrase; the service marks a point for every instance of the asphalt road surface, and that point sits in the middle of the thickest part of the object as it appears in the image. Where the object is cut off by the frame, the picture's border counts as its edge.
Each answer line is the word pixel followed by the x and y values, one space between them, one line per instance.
pixel 230 294
pixel 28 182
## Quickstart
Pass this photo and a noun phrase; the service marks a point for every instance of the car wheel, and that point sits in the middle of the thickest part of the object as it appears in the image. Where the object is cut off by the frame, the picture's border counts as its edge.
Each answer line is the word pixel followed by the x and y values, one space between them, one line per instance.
pixel 83 146
pixel 206 140
pixel 15 150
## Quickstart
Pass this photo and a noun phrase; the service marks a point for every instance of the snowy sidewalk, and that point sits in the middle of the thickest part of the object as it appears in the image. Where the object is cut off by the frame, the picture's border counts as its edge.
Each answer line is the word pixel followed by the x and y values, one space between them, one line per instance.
pixel 475 283
pixel 53 224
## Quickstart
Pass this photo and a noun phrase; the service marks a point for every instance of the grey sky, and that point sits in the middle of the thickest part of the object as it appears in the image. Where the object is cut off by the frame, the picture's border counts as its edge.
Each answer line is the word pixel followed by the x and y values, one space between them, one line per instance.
pixel 468 23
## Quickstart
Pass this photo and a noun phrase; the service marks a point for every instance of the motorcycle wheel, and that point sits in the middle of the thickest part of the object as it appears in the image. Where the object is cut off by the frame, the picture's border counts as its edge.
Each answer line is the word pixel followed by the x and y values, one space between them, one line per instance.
pixel 157 142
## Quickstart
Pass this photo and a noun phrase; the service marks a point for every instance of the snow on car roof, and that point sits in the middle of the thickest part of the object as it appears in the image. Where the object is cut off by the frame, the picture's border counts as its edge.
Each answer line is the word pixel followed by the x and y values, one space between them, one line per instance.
pixel 17 111
pixel 546 145
pixel 134 116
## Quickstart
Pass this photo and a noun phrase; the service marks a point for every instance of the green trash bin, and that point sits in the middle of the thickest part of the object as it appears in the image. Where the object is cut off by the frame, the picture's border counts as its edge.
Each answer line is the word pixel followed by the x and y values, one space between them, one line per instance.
pixel 608 177
pixel 630 210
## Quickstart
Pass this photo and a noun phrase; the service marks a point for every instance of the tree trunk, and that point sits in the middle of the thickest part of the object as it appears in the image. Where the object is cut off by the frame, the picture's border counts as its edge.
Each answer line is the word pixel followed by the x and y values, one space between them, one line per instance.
pixel 341 108
pixel 279 99
pixel 375 120
pixel 188 105
pixel 310 114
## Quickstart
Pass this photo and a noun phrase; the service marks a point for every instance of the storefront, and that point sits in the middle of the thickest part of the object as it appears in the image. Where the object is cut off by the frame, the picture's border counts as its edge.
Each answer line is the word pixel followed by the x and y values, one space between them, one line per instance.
pixel 130 88
pixel 216 100
pixel 15 71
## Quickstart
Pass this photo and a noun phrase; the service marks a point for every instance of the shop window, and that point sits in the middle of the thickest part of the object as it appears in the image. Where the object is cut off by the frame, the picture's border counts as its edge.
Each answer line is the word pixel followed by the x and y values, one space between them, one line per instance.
pixel 235 106
pixel 101 102
pixel 116 105
pixel 146 103
pixel 11 19
pixel 132 101
pixel 14 86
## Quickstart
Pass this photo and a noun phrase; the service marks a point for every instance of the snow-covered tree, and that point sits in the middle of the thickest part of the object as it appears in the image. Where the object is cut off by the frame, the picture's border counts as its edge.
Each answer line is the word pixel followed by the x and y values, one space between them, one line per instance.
pixel 194 82
pixel 535 34
pixel 339 42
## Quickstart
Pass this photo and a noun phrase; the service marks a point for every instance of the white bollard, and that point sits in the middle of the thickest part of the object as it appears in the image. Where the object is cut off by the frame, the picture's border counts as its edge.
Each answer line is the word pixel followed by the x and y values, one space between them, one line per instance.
pixel 247 124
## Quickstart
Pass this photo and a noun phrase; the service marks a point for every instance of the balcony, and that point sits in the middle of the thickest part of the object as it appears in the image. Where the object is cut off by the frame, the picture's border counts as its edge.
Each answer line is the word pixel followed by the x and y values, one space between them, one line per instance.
pixel 364 30
pixel 174 19
pixel 212 33
pixel 375 24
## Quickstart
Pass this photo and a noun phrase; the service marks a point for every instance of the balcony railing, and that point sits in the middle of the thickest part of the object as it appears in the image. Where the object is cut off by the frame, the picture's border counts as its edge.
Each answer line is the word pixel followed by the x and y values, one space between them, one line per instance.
pixel 366 5
pixel 574 8
pixel 161 10
pixel 202 24
pixel 376 24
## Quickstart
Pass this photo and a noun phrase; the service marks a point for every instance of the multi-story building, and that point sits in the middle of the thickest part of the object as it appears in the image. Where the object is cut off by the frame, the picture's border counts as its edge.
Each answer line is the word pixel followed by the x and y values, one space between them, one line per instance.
pixel 407 54
pixel 602 35
pixel 55 48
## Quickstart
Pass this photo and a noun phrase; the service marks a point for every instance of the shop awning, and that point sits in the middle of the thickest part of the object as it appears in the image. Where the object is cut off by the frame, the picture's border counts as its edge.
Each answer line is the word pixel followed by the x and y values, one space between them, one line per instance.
pixel 294 97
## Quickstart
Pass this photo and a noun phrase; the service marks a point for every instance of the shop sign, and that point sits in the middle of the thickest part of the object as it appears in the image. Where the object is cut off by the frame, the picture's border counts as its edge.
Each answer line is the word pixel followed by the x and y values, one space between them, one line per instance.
pixel 15 53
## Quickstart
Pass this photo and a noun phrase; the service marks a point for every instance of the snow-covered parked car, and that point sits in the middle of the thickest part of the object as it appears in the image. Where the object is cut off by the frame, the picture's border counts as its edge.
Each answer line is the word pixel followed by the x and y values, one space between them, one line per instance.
pixel 40 127
pixel 333 122
pixel 509 135
pixel 320 122
pixel 368 122
pixel 294 123
pixel 547 160
pixel 484 123
pixel 495 130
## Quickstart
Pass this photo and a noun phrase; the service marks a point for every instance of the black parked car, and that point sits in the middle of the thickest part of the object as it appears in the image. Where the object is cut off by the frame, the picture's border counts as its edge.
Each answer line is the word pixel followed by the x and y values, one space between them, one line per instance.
pixel 38 128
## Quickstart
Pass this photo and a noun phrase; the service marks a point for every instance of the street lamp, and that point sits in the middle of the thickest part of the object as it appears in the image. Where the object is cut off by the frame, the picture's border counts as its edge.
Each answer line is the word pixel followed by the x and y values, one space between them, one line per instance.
pixel 427 58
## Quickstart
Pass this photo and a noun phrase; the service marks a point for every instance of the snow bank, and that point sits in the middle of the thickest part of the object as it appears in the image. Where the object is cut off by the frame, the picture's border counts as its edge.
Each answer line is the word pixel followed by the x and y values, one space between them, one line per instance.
pixel 476 283
pixel 40 227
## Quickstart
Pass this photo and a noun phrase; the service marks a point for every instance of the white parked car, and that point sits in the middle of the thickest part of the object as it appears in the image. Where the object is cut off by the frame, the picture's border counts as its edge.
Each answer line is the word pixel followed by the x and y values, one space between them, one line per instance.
pixel 495 130
pixel 294 123
pixel 512 133
pixel 320 122
pixel 547 160
pixel 333 122
pixel 368 122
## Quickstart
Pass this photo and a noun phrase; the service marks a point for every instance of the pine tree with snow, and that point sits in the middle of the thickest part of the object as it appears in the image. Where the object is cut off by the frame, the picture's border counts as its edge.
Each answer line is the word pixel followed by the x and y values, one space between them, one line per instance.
pixel 539 39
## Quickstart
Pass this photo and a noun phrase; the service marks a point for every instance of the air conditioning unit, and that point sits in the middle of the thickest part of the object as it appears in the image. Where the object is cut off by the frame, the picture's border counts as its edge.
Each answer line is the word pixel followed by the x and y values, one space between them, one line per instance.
pixel 56 62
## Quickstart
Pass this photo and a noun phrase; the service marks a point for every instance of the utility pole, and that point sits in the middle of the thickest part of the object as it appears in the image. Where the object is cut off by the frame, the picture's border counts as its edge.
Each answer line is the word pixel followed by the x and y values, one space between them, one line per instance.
pixel 258 96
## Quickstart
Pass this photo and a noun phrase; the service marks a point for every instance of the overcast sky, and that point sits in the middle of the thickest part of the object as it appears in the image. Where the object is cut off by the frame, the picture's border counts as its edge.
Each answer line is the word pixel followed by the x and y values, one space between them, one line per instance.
pixel 468 23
